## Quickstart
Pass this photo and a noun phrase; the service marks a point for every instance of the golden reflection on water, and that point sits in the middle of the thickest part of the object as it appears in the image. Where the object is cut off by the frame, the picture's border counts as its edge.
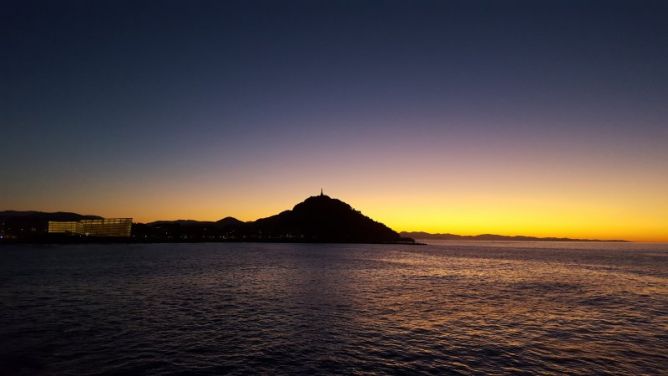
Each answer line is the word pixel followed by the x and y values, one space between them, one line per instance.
pixel 314 308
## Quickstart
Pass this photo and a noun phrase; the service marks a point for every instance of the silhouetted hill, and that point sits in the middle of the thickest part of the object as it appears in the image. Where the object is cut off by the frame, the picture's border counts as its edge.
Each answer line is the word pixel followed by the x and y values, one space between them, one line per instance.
pixel 230 221
pixel 44 216
pixel 324 219
pixel 317 219
pixel 227 221
pixel 426 235
pixel 182 222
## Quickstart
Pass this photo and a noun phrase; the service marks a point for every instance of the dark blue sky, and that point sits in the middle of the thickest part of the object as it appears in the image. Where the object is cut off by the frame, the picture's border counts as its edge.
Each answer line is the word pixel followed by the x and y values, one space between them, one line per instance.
pixel 108 93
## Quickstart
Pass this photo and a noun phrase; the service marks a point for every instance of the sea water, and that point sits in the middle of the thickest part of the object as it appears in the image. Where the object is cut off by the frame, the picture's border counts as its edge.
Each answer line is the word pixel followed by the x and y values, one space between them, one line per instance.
pixel 248 308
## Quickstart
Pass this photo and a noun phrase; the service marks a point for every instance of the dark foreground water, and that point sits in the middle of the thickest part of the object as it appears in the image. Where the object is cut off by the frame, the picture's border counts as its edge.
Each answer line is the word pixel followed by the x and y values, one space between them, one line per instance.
pixel 467 308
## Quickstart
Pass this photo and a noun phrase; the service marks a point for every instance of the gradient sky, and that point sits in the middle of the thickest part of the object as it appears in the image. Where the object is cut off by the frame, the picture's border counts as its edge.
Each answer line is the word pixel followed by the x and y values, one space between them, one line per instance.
pixel 536 118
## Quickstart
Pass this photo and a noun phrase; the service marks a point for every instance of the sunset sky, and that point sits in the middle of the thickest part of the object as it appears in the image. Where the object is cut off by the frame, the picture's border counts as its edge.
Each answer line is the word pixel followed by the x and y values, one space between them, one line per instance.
pixel 545 118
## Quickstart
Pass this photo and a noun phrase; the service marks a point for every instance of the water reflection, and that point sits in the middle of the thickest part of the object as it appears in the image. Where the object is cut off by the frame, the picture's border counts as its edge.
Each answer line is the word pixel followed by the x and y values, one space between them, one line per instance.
pixel 280 308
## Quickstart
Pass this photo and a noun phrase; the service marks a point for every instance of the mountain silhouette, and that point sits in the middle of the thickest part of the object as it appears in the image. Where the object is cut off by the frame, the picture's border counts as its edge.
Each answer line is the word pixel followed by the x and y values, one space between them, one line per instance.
pixel 229 221
pixel 428 236
pixel 324 219
pixel 44 216
pixel 318 219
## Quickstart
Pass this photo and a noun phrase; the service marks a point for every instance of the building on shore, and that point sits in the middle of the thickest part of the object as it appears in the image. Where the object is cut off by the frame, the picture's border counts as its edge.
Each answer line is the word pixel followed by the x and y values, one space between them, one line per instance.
pixel 107 227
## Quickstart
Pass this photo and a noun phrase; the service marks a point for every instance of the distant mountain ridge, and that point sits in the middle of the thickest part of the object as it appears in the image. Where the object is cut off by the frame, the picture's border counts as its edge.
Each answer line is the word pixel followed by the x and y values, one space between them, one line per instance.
pixel 319 219
pixel 426 235
pixel 227 221
pixel 38 215
pixel 316 219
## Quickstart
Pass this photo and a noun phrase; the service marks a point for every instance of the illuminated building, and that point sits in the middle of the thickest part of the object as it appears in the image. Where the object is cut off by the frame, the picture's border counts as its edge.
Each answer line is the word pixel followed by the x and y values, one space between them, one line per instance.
pixel 107 227
pixel 56 227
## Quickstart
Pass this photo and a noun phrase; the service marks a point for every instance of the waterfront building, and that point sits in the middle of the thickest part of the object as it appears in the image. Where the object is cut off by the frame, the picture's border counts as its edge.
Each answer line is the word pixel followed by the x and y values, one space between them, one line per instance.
pixel 107 227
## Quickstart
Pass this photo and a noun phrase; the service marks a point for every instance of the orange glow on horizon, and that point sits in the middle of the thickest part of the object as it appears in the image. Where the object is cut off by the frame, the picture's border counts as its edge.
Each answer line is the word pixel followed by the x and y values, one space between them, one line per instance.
pixel 570 200
pixel 529 216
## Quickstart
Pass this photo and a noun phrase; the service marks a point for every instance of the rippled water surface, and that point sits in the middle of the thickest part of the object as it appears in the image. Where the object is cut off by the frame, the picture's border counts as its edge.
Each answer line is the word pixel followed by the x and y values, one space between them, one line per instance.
pixel 447 308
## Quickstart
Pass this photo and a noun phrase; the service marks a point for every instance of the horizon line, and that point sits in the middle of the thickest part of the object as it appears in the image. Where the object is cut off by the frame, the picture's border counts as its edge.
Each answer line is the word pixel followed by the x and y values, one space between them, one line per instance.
pixel 465 235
